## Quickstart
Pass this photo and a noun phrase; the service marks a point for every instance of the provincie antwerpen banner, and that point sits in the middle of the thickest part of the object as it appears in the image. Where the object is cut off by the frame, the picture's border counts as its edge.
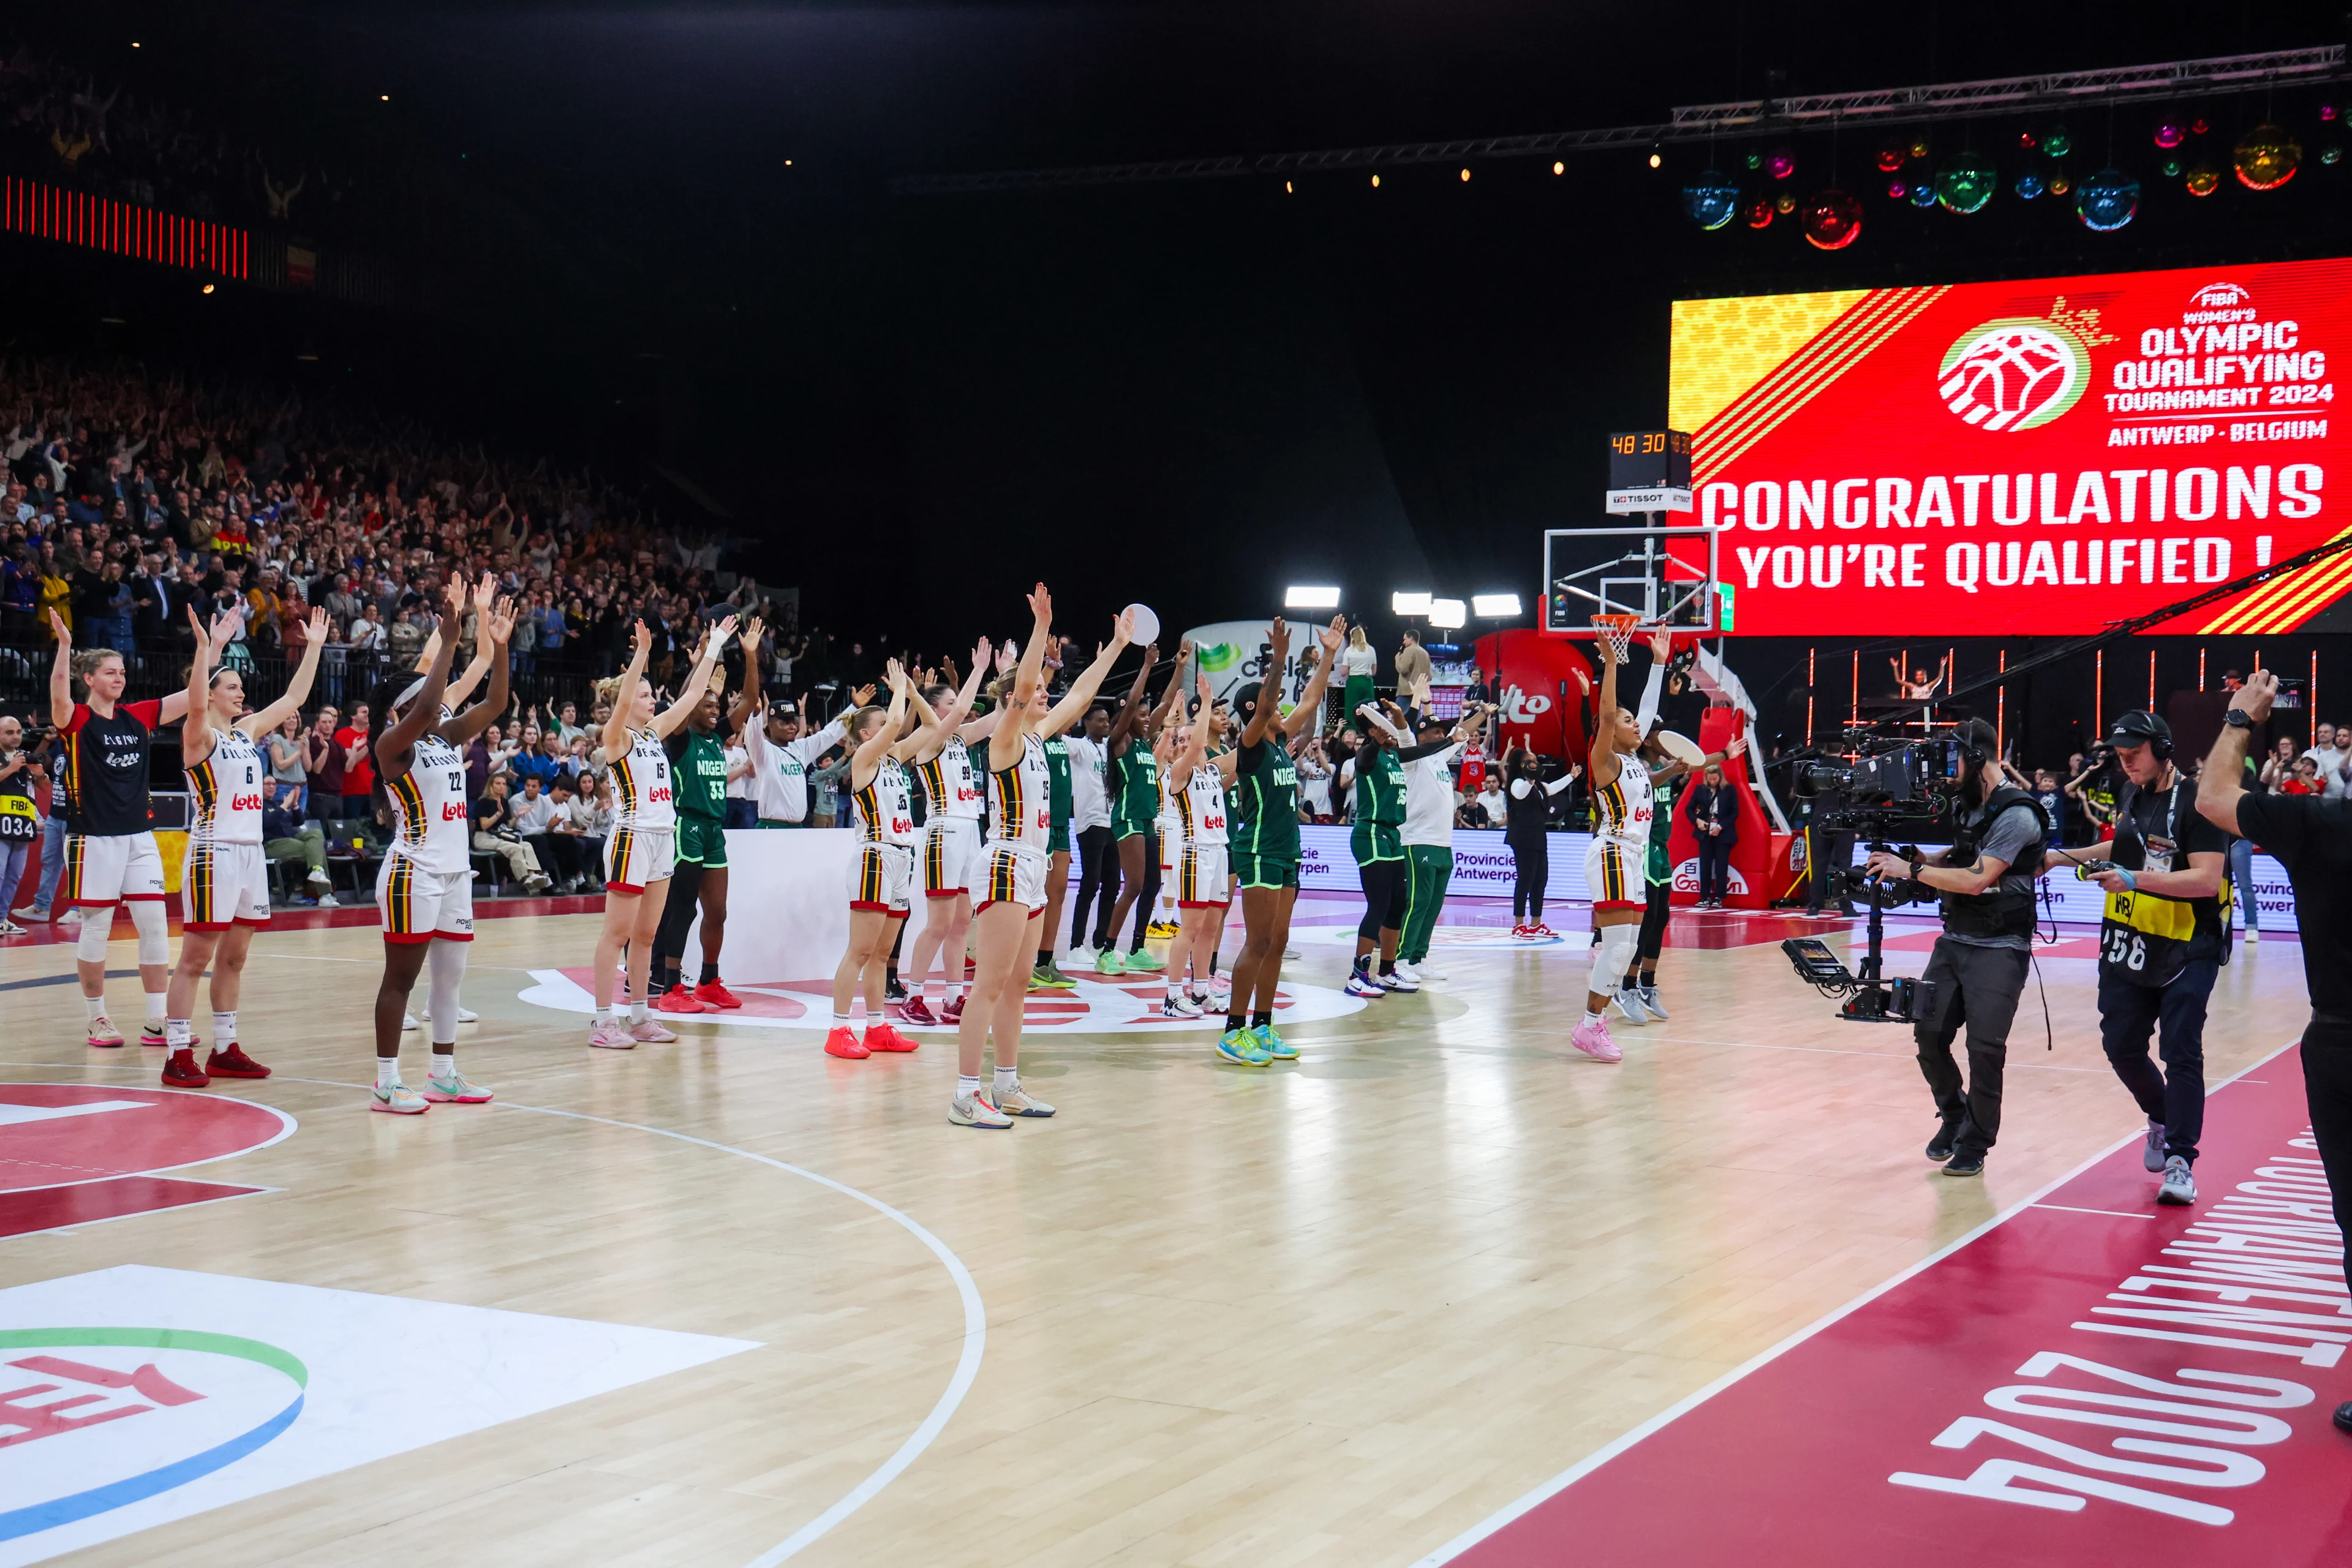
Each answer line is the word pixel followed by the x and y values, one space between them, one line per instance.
pixel 2055 455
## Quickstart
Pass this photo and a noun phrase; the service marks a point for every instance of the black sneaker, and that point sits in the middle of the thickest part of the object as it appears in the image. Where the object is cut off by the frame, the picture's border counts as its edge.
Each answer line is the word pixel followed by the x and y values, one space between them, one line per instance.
pixel 2344 1417
pixel 1939 1147
pixel 893 992
pixel 1966 1162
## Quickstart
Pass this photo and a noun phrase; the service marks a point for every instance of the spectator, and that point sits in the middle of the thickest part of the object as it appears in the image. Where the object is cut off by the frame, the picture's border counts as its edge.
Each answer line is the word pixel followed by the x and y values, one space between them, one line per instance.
pixel 21 782
pixel 286 837
pixel 2331 754
pixel 2277 768
pixel 359 762
pixel 1413 674
pixel 495 834
pixel 322 764
pixel 538 758
pixel 479 751
pixel 1491 805
pixel 1711 807
pixel 588 821
pixel 286 764
pixel 533 812
pixel 2305 780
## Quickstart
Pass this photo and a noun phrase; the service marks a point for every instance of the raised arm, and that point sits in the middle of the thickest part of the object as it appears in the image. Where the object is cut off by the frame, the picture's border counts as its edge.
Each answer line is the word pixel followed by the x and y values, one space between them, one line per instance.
pixel 748 698
pixel 62 703
pixel 930 734
pixel 1310 702
pixel 690 694
pixel 196 734
pixel 2220 786
pixel 394 741
pixel 1180 765
pixel 1653 687
pixel 495 625
pixel 616 727
pixel 1122 723
pixel 297 690
pixel 1004 746
pixel 868 754
pixel 1269 691
pixel 1081 694
pixel 1605 765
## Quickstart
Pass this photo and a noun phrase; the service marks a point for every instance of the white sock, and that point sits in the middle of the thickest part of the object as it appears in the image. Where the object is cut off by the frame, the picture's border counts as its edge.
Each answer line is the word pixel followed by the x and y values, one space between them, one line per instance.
pixel 1592 1017
pixel 388 1071
pixel 637 1013
pixel 156 1000
pixel 841 1021
pixel 1007 1077
pixel 224 1030
pixel 444 1063
pixel 967 1085
pixel 604 1017
pixel 175 1033
pixel 95 1007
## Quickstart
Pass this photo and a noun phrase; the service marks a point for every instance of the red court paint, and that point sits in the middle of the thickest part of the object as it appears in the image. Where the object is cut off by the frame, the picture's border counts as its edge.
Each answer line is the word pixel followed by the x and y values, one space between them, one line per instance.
pixel 84 1203
pixel 56 1134
pixel 2067 1390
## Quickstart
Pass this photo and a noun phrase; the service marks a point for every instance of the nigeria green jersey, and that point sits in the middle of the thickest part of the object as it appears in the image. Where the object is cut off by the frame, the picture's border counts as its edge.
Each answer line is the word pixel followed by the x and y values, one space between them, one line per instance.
pixel 1138 789
pixel 1058 781
pixel 699 768
pixel 1379 806
pixel 1265 801
pixel 1656 870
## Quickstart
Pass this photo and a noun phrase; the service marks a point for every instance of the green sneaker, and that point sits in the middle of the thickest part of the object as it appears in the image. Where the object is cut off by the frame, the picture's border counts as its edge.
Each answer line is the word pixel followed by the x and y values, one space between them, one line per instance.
pixel 1110 962
pixel 1052 977
pixel 1143 963
pixel 1241 1046
pixel 1275 1047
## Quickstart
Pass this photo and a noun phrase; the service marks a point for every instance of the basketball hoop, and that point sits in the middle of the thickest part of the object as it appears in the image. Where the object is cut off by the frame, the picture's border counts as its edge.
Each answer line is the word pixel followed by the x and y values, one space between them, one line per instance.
pixel 1619 630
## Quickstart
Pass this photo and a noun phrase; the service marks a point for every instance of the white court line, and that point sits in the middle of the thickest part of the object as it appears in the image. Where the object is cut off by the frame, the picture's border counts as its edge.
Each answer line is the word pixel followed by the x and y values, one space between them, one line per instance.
pixel 1594 1460
pixel 975 1313
pixel 2111 1214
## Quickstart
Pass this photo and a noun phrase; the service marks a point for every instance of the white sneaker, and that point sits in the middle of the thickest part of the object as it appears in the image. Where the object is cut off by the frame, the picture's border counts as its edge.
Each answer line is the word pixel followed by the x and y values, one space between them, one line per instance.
pixel 1406 972
pixel 10 928
pixel 2253 935
pixel 71 917
pixel 974 1110
pixel 1426 971
pixel 408 1025
pixel 2179 1186
pixel 1650 1000
pixel 1178 1005
pixel 468 1016
pixel 398 1099
pixel 1401 978
pixel 1628 1001
pixel 1018 1101
pixel 614 1037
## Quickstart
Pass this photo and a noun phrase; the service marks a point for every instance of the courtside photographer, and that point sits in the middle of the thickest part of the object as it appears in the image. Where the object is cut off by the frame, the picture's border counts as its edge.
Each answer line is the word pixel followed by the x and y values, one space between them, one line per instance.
pixel 1985 885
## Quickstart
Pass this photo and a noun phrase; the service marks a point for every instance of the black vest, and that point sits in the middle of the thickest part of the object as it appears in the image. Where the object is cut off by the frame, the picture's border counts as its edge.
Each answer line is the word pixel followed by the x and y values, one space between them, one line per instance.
pixel 1524 817
pixel 1997 912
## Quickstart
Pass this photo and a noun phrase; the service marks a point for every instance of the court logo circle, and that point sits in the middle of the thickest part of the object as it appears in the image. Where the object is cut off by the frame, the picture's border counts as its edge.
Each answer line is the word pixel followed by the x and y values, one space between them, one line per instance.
pixel 2014 374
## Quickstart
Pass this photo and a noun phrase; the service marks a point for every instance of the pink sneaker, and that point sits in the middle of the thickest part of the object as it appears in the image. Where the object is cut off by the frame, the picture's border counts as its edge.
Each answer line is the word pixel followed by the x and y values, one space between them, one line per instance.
pixel 650 1033
pixel 1591 1038
pixel 612 1037
pixel 103 1034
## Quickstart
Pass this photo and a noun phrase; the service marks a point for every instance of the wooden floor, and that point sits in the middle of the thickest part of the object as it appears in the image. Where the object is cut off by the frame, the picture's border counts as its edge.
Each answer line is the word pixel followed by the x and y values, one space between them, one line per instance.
pixel 1334 1314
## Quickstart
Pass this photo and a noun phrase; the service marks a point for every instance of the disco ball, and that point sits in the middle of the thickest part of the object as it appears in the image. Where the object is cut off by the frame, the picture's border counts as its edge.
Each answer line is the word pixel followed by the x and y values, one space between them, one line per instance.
pixel 1966 182
pixel 2171 167
pixel 2107 200
pixel 2330 154
pixel 1922 194
pixel 1831 219
pixel 2170 133
pixel 2025 141
pixel 1897 190
pixel 1784 203
pixel 2204 180
pixel 1780 162
pixel 2197 127
pixel 2057 143
pixel 1890 158
pixel 1711 200
pixel 2029 185
pixel 1919 148
pixel 1755 160
pixel 1759 212
pixel 2266 157
pixel 2060 185
pixel 2327 111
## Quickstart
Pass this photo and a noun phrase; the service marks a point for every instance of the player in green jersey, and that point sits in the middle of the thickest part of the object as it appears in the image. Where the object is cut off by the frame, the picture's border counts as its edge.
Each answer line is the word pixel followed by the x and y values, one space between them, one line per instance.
pixel 1265 842
pixel 1134 817
pixel 698 767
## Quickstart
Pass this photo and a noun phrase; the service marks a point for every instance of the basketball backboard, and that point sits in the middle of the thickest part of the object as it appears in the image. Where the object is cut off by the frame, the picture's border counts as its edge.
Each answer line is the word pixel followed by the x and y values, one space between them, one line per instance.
pixel 1665 574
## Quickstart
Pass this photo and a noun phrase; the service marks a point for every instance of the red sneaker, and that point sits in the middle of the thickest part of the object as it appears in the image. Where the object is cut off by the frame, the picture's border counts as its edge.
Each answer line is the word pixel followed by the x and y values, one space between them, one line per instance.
pixel 232 1063
pixel 918 1011
pixel 883 1037
pixel 180 1071
pixel 679 999
pixel 951 1012
pixel 842 1043
pixel 714 995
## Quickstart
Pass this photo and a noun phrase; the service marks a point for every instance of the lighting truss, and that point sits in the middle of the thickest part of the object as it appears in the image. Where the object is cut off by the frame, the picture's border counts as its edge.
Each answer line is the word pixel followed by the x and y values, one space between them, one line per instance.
pixel 2062 91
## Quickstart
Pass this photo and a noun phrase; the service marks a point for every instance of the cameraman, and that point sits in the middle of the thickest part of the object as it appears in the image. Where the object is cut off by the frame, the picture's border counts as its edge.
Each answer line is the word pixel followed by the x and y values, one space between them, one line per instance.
pixel 2162 942
pixel 1829 850
pixel 1986 884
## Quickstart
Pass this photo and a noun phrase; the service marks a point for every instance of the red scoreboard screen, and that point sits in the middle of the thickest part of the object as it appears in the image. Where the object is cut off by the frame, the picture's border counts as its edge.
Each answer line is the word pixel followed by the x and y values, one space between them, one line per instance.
pixel 1998 459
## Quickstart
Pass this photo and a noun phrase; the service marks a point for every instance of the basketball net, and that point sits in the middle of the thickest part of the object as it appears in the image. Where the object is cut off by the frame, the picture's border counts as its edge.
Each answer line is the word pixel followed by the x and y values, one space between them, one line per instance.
pixel 1619 630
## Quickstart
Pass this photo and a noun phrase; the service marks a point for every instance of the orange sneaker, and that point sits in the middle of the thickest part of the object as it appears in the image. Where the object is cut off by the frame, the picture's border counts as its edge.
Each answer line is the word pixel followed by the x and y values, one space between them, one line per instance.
pixel 713 995
pixel 842 1043
pixel 679 999
pixel 180 1071
pixel 883 1037
pixel 233 1063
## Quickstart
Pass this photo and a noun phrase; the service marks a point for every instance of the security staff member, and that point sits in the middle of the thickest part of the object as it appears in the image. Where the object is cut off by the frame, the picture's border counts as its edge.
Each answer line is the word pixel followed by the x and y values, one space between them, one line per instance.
pixel 2162 942
pixel 1985 882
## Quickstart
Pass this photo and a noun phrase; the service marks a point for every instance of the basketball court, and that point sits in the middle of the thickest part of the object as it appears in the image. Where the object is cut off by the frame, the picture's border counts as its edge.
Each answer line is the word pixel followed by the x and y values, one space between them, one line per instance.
pixel 1443 1289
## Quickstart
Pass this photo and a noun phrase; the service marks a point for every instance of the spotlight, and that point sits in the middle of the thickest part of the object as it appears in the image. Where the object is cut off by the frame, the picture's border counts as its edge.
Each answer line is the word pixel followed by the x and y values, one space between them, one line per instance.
pixel 1297 597
pixel 1655 159
pixel 1404 603
pixel 1558 168
pixel 1376 181
pixel 1289 189
pixel 209 289
pixel 134 43
pixel 1466 176
pixel 1447 615
pixel 1495 606
pixel 386 98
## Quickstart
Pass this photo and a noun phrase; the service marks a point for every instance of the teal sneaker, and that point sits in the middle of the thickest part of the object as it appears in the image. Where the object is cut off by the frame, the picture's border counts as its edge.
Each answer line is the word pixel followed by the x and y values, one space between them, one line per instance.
pixel 1144 963
pixel 1110 962
pixel 1241 1046
pixel 1275 1047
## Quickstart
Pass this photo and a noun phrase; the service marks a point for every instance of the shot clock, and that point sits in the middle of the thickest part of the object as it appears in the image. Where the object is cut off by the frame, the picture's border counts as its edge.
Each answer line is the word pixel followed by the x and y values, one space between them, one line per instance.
pixel 1649 471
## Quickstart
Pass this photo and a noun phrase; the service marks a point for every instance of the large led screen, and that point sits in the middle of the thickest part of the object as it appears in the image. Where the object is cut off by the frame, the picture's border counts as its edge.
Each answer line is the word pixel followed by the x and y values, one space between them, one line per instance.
pixel 2014 458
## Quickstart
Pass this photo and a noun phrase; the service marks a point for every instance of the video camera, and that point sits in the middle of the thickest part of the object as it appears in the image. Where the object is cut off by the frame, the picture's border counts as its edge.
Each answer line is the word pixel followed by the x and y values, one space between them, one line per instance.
pixel 1905 785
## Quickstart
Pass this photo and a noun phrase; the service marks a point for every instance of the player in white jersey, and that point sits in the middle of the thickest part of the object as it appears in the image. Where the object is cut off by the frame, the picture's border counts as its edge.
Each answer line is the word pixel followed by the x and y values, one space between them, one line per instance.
pixel 641 850
pixel 425 889
pixel 1006 944
pixel 225 881
pixel 1196 790
pixel 951 847
pixel 1613 862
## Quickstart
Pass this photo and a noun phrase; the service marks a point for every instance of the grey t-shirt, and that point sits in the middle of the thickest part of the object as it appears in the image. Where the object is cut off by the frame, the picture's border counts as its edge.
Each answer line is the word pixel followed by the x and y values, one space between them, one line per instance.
pixel 2005 840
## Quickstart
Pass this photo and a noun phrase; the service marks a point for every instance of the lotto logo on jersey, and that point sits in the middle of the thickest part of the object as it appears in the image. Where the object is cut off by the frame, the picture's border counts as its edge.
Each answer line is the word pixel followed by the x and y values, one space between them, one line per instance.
pixel 660 794
pixel 244 803
pixel 1044 820
pixel 902 825
pixel 1212 824
pixel 453 811
pixel 966 793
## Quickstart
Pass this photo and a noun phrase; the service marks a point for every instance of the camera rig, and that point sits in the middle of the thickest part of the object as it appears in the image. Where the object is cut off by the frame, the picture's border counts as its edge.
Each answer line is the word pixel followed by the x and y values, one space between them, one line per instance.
pixel 1870 996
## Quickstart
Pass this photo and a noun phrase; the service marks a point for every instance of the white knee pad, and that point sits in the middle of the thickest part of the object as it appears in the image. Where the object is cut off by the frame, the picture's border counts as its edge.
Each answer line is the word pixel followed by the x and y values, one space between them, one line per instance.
pixel 147 917
pixel 90 945
pixel 445 964
pixel 1615 955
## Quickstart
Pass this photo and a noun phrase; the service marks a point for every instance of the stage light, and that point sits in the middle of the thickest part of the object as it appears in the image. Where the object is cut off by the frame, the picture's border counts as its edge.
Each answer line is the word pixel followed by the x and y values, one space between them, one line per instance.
pixel 1898 189
pixel 1759 213
pixel 1923 194
pixel 1495 606
pixel 2327 110
pixel 1297 597
pixel 1891 157
pixel 1558 167
pixel 134 44
pixel 2057 143
pixel 1289 189
pixel 1404 603
pixel 1376 181
pixel 2197 127
pixel 2330 154
pixel 1784 203
pixel 209 289
pixel 1466 176
pixel 387 98
pixel 1447 615
pixel 2267 157
pixel 1655 159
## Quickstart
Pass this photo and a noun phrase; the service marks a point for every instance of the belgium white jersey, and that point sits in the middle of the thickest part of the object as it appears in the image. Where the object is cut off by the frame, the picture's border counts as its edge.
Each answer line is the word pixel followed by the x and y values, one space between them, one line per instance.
pixel 886 810
pixel 1621 811
pixel 1200 804
pixel 430 803
pixel 642 795
pixel 952 783
pixel 225 790
pixel 1024 814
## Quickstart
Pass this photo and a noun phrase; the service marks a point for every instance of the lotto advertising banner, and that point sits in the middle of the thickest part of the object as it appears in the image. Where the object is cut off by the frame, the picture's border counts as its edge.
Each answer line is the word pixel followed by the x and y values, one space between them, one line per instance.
pixel 1540 683
pixel 2050 455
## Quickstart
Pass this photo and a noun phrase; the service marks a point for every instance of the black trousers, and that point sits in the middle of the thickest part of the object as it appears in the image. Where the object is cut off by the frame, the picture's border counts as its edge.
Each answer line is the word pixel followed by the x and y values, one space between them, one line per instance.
pixel 1829 858
pixel 677 915
pixel 1098 881
pixel 2328 1092
pixel 1530 870
pixel 2175 1014
pixel 1977 990
pixel 1653 939
pixel 1148 896
pixel 1714 865
pixel 1388 887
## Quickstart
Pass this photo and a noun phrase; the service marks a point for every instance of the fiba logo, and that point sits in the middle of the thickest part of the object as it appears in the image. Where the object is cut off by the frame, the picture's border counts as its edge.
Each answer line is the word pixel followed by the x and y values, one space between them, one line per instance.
pixel 2013 374
pixel 2220 297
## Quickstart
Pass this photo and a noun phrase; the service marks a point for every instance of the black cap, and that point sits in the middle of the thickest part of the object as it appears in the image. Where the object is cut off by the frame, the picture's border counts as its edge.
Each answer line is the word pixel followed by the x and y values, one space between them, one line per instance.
pixel 2137 728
